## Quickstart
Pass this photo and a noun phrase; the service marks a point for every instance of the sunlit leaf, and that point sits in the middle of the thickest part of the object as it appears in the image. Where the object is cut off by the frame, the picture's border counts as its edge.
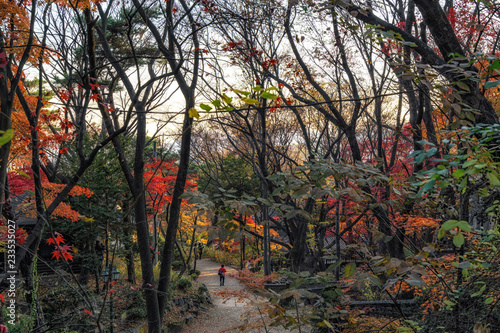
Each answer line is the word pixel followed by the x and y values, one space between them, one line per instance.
pixel 193 113
pixel 350 268
pixel 6 137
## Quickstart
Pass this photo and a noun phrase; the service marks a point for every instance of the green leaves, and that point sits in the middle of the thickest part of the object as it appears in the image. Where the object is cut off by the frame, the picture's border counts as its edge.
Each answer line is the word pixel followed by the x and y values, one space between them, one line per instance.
pixel 491 84
pixel 6 137
pixel 451 224
pixel 250 101
pixel 458 237
pixel 247 97
pixel 493 178
pixel 205 107
pixel 350 269
pixel 268 95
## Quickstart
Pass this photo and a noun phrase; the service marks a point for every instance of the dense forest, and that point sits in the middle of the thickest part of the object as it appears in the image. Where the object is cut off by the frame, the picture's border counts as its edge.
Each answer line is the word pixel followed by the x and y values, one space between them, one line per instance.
pixel 342 154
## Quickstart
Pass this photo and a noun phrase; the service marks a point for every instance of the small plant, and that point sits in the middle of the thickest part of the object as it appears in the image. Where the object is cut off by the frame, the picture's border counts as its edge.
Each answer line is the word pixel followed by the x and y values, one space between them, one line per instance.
pixel 137 306
pixel 184 284
pixel 196 272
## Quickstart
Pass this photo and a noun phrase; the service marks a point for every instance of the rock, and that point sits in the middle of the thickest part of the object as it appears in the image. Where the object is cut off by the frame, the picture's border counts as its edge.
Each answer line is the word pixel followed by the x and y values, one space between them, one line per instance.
pixel 174 328
pixel 189 318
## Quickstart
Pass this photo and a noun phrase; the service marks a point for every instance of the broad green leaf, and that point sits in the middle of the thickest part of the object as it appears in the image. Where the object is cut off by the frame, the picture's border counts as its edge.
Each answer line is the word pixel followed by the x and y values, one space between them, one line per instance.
pixel 415 281
pixel 241 92
pixel 464 226
pixel 429 185
pixel 450 224
pixel 226 99
pixel 458 239
pixel 271 88
pixel 6 137
pixel 491 84
pixel 205 107
pixel 217 103
pixel 350 268
pixel 431 152
pixel 489 300
pixel 257 88
pixel 193 113
pixel 458 173
pixel 228 108
pixel 495 64
pixel 492 177
pixel 250 101
pixel 267 95
pixel 469 163
pixel 333 266
pixel 450 303
pixel 463 86
pixel 420 158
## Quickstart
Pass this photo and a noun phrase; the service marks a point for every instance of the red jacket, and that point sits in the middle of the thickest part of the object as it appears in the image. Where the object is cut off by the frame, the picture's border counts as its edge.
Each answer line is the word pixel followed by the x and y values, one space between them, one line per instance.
pixel 223 270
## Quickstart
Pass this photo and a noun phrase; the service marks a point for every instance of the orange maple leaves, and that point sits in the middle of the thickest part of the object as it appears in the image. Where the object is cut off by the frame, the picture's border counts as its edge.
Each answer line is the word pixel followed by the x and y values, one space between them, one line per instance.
pixel 22 179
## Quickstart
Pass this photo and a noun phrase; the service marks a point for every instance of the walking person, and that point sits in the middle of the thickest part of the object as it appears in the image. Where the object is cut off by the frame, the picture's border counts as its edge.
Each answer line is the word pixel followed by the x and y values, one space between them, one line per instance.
pixel 200 249
pixel 222 274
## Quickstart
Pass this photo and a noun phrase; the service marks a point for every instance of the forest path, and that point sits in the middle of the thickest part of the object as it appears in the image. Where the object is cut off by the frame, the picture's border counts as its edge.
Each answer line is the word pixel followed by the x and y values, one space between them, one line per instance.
pixel 233 304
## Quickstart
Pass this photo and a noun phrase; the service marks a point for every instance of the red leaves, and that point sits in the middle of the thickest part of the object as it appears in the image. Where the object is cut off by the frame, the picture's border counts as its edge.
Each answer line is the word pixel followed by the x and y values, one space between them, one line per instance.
pixel 57 240
pixel 87 312
pixel 160 179
pixel 63 150
pixel 280 85
pixel 268 63
pixel 61 251
pixel 95 97
pixel 3 60
pixel 64 95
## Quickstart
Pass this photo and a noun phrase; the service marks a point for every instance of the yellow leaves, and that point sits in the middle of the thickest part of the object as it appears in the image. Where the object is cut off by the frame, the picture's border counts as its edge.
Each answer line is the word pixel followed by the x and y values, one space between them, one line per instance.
pixel 480 328
pixel 193 113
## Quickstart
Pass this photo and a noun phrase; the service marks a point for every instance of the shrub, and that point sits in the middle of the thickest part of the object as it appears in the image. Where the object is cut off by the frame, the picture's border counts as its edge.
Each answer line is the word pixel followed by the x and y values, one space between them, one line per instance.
pixel 136 306
pixel 184 284
pixel 177 265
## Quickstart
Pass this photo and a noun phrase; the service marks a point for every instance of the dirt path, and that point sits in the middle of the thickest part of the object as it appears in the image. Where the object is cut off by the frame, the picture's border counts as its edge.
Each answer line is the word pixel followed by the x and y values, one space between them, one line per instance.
pixel 228 310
